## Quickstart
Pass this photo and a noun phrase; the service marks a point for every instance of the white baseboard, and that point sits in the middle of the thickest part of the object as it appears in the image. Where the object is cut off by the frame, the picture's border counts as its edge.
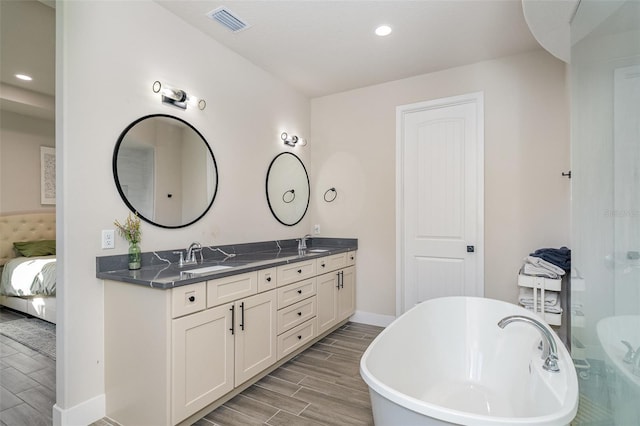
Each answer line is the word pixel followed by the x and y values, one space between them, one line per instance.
pixel 372 319
pixel 84 413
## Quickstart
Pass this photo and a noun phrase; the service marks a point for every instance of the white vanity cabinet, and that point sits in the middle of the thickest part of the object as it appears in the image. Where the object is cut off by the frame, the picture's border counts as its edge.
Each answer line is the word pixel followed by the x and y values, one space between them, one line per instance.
pixel 336 292
pixel 220 348
pixel 172 355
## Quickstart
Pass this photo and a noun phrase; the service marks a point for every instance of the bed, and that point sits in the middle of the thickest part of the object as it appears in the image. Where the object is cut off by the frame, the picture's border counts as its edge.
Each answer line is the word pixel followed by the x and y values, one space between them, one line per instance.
pixel 28 276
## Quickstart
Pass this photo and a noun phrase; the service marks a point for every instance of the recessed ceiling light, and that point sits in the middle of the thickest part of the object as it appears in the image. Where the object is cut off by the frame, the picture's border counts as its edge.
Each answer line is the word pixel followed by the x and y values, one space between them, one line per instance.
pixel 24 77
pixel 383 30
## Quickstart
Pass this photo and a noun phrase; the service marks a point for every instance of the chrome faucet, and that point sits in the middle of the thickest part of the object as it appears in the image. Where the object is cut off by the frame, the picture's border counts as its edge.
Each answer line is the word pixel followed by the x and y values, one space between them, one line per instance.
pixel 302 242
pixel 549 348
pixel 193 248
pixel 636 362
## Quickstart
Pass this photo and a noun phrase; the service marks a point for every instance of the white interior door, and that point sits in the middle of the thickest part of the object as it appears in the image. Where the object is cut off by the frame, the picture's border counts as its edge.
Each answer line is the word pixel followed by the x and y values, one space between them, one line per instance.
pixel 440 199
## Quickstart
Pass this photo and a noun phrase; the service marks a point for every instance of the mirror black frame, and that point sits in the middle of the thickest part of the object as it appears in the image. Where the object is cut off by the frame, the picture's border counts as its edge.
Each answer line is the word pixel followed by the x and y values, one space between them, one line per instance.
pixel 267 188
pixel 117 180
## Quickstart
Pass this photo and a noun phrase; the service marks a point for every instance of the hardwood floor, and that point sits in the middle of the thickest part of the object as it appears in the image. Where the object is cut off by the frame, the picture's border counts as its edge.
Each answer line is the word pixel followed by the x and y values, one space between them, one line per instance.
pixel 321 386
pixel 27 382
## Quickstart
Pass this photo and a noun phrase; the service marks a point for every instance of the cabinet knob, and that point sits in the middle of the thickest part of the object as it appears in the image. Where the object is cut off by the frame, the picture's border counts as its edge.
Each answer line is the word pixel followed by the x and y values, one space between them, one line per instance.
pixel 192 298
pixel 299 314
pixel 299 337
pixel 268 279
pixel 299 271
pixel 352 257
pixel 299 291
pixel 322 265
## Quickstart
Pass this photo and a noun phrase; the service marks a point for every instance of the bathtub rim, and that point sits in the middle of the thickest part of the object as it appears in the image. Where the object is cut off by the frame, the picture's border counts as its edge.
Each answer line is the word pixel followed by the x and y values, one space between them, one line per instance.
pixel 564 416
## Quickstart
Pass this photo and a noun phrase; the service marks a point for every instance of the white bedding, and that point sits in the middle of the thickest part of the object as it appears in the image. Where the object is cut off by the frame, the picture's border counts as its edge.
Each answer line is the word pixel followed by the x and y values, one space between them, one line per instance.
pixel 29 276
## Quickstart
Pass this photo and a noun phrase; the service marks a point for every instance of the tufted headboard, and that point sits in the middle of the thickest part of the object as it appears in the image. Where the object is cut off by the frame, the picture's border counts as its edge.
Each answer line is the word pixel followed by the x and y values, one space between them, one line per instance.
pixel 24 227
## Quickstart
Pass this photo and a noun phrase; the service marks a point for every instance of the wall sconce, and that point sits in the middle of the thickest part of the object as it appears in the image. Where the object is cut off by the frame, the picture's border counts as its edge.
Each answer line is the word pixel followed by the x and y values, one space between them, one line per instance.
pixel 292 140
pixel 177 97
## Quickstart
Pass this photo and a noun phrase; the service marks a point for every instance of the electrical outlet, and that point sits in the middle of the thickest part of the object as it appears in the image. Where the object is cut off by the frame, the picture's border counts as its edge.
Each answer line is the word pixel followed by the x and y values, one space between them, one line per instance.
pixel 316 229
pixel 108 239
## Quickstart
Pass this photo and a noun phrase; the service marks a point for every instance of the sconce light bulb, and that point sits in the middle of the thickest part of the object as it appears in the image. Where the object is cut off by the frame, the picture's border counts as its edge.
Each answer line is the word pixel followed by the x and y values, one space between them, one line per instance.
pixel 284 136
pixel 156 86
pixel 175 94
pixel 294 139
pixel 302 142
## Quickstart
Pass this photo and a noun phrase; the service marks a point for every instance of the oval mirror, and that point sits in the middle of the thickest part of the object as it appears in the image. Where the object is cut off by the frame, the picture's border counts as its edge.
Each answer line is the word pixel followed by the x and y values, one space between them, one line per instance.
pixel 288 188
pixel 165 171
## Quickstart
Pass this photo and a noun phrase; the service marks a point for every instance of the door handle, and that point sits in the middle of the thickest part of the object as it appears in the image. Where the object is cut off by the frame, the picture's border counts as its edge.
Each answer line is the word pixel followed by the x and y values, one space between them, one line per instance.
pixel 242 316
pixel 471 249
pixel 233 318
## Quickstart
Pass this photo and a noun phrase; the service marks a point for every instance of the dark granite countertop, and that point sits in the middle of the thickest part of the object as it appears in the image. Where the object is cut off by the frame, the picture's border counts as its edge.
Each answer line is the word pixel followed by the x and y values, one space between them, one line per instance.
pixel 161 270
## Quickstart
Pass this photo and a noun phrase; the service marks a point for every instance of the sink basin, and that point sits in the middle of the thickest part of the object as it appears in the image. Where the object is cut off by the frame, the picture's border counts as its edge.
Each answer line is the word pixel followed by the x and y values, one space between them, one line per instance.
pixel 317 250
pixel 206 270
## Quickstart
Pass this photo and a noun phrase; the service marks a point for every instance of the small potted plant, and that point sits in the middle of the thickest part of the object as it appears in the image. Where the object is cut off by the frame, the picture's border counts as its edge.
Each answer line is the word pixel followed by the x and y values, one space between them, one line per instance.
pixel 131 232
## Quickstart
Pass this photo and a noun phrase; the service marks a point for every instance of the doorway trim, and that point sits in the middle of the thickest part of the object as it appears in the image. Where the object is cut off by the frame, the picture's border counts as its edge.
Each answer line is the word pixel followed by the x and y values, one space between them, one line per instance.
pixel 478 99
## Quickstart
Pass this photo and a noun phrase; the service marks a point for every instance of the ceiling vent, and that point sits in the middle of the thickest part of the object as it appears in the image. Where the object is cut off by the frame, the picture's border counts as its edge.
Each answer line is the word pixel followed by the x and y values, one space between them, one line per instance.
pixel 225 17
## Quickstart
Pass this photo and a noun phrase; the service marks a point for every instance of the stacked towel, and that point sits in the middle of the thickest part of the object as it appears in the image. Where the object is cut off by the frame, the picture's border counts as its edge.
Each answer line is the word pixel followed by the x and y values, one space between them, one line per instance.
pixel 539 267
pixel 551 301
pixel 559 257
pixel 526 297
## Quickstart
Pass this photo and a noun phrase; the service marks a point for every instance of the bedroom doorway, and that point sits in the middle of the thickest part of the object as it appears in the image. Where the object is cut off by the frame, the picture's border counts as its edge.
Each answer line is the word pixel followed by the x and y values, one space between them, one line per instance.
pixel 27 139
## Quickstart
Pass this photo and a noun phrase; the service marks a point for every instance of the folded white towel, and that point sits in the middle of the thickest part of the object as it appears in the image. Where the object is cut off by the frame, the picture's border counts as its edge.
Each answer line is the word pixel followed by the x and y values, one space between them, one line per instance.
pixel 549 309
pixel 537 271
pixel 526 296
pixel 544 264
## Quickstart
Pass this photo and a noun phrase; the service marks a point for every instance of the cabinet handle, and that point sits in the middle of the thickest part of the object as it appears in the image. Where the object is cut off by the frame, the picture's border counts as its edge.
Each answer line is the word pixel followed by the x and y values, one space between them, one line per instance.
pixel 299 337
pixel 299 314
pixel 341 279
pixel 299 291
pixel 338 286
pixel 299 271
pixel 233 318
pixel 268 279
pixel 242 316
pixel 192 298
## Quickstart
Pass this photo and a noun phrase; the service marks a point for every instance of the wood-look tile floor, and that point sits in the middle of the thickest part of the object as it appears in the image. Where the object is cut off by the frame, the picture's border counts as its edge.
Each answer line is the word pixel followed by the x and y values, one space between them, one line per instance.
pixel 27 382
pixel 321 386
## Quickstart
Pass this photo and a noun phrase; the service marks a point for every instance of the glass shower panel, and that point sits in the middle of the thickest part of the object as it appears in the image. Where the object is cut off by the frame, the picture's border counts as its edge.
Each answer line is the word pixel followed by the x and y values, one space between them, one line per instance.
pixel 605 297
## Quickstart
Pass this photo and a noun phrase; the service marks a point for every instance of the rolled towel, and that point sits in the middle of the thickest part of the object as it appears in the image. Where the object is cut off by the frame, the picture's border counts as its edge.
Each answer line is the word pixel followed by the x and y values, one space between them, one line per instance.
pixel 526 297
pixel 541 263
pixel 553 309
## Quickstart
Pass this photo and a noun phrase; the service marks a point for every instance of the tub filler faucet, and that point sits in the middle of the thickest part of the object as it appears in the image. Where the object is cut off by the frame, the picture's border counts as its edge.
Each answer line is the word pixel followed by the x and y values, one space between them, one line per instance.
pixel 549 348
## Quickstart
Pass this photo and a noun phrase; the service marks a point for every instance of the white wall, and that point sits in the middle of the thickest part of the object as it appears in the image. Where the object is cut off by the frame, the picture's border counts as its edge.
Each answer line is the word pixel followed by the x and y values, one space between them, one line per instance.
pixel 109 54
pixel 526 149
pixel 21 137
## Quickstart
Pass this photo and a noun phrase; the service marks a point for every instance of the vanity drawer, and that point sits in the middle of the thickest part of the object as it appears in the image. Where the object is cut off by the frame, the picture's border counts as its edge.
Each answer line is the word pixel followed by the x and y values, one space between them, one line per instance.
pixel 231 288
pixel 351 258
pixel 332 263
pixel 188 299
pixel 288 274
pixel 266 279
pixel 296 337
pixel 296 314
pixel 296 292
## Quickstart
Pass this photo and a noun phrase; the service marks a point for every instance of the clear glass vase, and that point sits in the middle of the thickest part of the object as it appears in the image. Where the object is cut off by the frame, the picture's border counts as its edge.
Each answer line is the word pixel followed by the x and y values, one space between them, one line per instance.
pixel 134 256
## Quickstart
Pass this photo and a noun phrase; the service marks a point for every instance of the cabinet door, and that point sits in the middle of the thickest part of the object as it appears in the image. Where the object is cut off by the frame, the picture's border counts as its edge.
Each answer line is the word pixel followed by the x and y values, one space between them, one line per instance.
pixel 327 300
pixel 347 293
pixel 255 346
pixel 202 360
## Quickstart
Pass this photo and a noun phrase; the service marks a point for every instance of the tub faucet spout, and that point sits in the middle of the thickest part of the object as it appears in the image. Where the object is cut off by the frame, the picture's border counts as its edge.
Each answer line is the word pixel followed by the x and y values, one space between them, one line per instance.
pixel 549 348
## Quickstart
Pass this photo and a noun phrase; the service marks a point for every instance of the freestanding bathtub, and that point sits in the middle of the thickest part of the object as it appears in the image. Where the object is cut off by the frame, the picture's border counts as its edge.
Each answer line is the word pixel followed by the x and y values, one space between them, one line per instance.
pixel 446 361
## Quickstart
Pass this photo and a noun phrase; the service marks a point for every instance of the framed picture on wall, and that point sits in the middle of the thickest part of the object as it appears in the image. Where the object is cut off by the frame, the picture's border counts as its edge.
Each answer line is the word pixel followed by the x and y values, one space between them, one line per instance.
pixel 47 175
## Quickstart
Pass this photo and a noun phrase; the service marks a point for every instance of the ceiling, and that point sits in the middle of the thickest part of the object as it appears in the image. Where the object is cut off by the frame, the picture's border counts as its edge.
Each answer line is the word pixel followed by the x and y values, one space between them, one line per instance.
pixel 322 47
pixel 319 47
